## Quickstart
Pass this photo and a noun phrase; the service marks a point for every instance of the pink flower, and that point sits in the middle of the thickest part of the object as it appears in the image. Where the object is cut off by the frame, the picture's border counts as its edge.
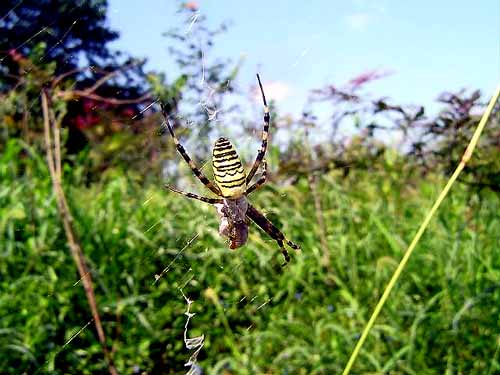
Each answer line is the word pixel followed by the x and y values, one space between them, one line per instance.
pixel 16 56
pixel 367 77
pixel 128 112
pixel 191 5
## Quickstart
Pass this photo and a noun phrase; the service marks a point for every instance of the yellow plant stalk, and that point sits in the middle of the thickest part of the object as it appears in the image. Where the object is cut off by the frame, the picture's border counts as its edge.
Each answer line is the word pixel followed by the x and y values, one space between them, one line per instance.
pixel 465 158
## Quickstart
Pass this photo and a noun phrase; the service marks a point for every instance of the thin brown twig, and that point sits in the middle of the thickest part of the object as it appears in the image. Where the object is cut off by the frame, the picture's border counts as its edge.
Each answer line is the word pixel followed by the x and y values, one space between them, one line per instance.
pixel 73 94
pixel 100 81
pixel 313 183
pixel 318 208
pixel 110 75
pixel 54 162
pixel 57 146
pixel 60 77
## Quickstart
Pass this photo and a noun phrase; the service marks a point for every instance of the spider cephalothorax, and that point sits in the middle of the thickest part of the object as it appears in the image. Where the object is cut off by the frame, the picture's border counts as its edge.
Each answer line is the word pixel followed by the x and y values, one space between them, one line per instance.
pixel 232 186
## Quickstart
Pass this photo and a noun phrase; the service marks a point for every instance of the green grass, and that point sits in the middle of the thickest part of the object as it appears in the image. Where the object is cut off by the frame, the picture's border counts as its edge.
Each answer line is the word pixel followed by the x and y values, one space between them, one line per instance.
pixel 442 317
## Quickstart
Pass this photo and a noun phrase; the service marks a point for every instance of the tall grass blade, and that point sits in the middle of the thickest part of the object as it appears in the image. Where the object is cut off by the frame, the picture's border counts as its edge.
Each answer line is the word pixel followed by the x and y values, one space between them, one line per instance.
pixel 465 158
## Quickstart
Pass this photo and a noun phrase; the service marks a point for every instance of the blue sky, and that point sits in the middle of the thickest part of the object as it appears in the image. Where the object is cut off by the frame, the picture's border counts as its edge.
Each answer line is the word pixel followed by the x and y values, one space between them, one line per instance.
pixel 429 46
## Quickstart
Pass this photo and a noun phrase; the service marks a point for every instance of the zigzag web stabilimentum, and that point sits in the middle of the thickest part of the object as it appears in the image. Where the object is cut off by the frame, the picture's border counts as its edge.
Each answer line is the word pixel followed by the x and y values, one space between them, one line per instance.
pixel 210 97
pixel 192 343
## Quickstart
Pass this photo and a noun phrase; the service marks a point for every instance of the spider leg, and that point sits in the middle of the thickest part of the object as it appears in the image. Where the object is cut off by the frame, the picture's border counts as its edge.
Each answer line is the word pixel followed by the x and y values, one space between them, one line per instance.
pixel 197 172
pixel 270 229
pixel 265 134
pixel 194 196
pixel 261 181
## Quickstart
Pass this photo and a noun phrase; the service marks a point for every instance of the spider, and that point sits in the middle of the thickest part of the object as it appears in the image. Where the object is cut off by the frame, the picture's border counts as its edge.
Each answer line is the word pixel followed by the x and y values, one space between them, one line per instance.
pixel 233 186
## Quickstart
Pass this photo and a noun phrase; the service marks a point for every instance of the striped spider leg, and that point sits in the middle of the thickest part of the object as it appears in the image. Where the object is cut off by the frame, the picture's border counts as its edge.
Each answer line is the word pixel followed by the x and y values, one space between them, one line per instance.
pixel 261 181
pixel 265 135
pixel 194 196
pixel 232 186
pixel 197 172
pixel 232 214
pixel 237 230
pixel 272 231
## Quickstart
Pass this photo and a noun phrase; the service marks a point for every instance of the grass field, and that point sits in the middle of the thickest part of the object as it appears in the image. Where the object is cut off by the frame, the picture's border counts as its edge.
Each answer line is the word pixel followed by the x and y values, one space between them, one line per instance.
pixel 442 318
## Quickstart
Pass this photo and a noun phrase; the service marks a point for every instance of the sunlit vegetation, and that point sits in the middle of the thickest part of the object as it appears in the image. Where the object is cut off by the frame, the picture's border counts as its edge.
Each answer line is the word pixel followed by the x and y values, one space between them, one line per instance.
pixel 302 319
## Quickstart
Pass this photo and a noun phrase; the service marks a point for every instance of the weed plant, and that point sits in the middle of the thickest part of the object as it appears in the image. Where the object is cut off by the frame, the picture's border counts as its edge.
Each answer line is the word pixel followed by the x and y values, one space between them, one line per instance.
pixel 442 317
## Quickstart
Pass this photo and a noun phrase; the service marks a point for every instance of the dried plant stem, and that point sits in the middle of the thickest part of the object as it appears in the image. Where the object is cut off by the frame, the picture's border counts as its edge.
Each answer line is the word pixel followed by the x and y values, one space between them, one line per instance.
pixel 465 158
pixel 313 185
pixel 52 143
pixel 318 208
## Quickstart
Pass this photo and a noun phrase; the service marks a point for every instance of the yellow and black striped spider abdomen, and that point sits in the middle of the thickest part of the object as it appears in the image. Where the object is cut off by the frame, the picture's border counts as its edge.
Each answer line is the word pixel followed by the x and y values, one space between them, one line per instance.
pixel 229 173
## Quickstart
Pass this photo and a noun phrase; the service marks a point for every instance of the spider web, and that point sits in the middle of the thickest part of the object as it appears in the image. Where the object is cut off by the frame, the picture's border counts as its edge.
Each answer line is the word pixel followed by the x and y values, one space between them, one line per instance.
pixel 36 37
pixel 219 118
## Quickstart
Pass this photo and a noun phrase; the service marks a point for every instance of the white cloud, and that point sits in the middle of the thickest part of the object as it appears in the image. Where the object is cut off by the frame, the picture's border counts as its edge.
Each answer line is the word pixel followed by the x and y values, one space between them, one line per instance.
pixel 359 21
pixel 275 90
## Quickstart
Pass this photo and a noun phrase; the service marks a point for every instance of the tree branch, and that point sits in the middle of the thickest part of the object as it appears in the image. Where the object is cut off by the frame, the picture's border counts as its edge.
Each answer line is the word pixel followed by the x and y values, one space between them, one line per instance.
pixel 74 94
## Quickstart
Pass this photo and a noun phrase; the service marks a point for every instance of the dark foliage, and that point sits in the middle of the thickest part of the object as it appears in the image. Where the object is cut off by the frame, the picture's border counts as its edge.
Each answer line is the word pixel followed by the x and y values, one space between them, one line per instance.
pixel 65 44
pixel 72 30
pixel 361 129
